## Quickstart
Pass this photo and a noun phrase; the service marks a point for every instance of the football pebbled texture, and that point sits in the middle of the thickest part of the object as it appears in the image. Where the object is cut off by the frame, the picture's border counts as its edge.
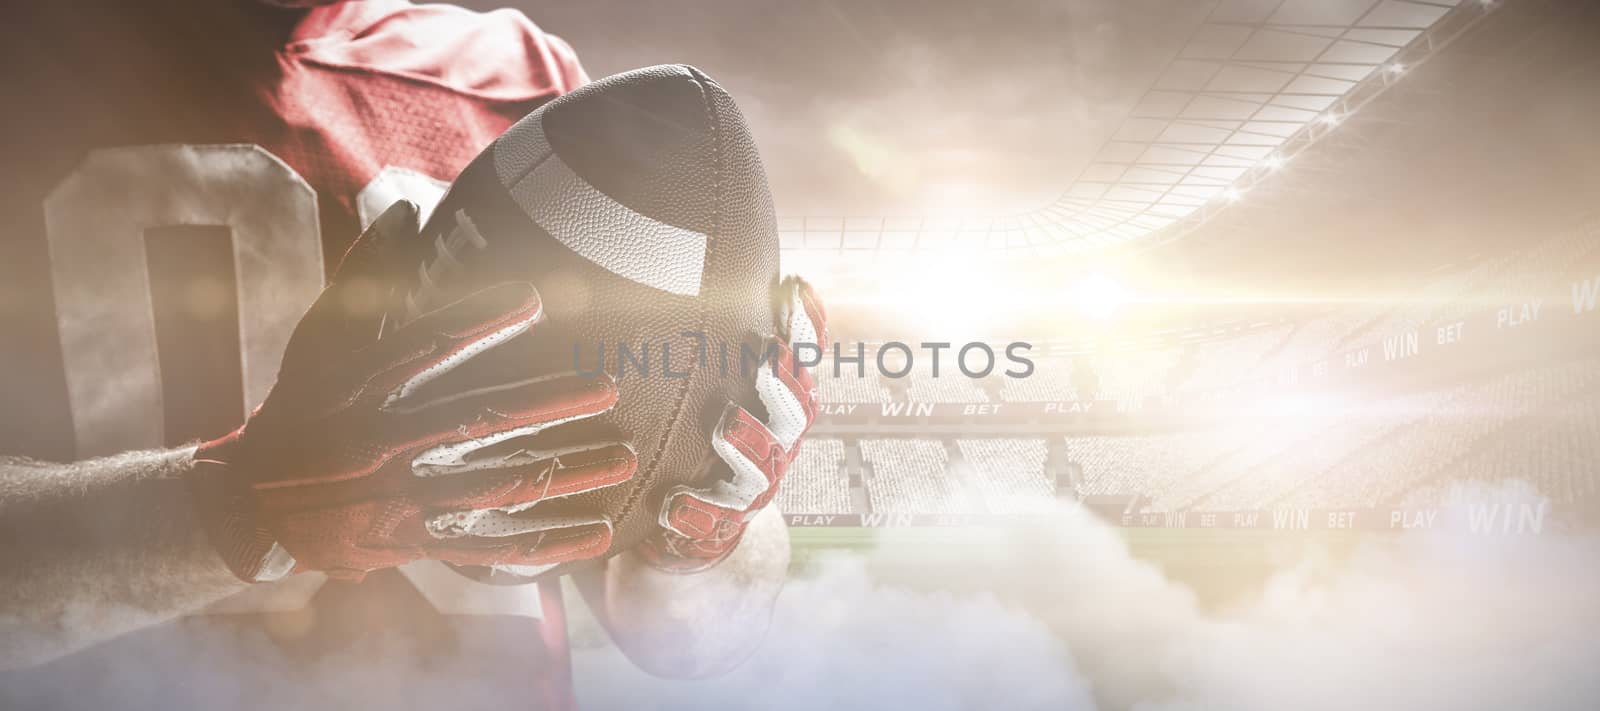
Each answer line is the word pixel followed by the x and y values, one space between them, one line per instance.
pixel 638 206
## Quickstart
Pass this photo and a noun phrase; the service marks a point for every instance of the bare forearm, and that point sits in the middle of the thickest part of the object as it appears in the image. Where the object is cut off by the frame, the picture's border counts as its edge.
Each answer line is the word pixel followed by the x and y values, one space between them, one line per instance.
pixel 699 625
pixel 93 549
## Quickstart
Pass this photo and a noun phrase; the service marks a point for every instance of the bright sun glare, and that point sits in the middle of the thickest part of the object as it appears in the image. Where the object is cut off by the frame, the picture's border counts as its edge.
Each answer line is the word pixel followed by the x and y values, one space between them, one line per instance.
pixel 1099 296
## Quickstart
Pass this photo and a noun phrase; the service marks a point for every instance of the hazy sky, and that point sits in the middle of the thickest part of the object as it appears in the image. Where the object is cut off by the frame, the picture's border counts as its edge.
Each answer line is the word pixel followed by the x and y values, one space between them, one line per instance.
pixel 896 107
pixel 872 107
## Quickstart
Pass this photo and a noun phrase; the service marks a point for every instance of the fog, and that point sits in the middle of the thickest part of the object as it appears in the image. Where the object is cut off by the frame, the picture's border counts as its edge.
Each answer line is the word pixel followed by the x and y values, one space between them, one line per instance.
pixel 1068 618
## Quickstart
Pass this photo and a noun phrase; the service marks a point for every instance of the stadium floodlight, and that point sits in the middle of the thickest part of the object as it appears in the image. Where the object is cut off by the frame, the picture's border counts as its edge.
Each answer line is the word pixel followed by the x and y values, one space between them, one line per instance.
pixel 1329 119
pixel 1395 68
pixel 1232 194
pixel 1273 162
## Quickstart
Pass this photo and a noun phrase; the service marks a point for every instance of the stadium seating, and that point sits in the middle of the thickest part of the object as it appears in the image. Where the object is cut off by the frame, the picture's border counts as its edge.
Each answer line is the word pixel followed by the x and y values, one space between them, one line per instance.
pixel 1541 426
pixel 909 476
pixel 1132 379
pixel 1357 427
pixel 1219 364
pixel 816 482
pixel 1314 340
pixel 1117 465
pixel 1553 455
pixel 1381 444
pixel 1537 274
pixel 1009 473
pixel 1382 473
pixel 1372 454
pixel 1240 448
pixel 1427 302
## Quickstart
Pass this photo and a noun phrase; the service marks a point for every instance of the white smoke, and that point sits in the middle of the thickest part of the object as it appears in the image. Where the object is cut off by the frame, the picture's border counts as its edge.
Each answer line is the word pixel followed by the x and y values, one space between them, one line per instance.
pixel 1056 617
pixel 1065 618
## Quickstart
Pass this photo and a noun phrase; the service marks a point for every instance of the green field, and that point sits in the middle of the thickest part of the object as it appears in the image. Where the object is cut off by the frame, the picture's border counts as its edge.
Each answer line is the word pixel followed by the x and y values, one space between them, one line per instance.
pixel 1218 564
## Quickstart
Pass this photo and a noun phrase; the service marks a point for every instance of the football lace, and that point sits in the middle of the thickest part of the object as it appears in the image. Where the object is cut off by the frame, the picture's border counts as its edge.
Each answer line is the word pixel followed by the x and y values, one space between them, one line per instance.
pixel 446 260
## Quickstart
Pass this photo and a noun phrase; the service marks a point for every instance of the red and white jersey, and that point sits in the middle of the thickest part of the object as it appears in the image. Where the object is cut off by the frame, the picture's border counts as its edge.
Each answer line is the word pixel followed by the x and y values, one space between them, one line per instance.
pixel 142 145
pixel 179 177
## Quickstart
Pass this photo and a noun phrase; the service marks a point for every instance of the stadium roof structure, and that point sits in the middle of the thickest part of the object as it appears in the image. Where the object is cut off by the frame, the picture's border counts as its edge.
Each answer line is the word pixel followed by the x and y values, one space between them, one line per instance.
pixel 1257 82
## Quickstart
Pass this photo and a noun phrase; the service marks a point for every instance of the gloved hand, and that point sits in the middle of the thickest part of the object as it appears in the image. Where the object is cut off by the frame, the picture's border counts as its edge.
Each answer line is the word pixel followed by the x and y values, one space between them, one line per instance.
pixel 702 525
pixel 354 463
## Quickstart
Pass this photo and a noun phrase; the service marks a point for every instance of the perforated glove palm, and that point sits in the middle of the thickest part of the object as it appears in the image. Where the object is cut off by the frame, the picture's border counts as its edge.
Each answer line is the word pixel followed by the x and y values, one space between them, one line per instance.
pixel 354 463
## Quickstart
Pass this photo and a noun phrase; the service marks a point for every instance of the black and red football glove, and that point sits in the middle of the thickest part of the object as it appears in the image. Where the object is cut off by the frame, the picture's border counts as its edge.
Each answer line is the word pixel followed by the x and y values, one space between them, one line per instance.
pixel 353 463
pixel 702 525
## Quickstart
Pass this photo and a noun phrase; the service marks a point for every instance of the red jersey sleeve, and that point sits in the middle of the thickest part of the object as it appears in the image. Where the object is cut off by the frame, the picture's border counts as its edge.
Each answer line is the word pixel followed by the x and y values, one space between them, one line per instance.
pixel 499 55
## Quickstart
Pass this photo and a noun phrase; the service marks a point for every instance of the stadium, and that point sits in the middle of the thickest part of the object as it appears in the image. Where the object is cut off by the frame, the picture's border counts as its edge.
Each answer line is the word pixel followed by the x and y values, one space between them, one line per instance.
pixel 1367 401
pixel 1324 282
pixel 1320 275
pixel 1142 355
